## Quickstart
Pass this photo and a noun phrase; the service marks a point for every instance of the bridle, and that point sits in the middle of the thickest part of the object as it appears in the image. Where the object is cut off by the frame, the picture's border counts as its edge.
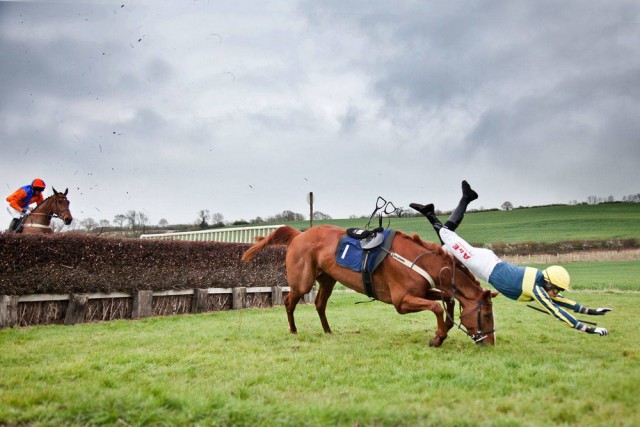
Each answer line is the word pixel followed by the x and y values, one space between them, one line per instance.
pixel 478 336
pixel 56 212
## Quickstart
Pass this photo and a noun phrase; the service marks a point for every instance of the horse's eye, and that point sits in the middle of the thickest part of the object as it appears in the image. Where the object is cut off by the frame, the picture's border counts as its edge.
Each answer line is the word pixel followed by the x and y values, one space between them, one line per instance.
pixel 487 316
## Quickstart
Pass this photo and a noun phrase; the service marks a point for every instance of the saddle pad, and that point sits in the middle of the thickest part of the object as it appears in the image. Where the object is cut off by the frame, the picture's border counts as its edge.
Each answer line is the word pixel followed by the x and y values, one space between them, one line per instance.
pixel 350 254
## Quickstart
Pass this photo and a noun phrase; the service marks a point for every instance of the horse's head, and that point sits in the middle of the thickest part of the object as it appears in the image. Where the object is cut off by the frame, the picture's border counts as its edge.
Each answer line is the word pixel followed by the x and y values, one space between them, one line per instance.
pixel 60 206
pixel 477 310
pixel 456 281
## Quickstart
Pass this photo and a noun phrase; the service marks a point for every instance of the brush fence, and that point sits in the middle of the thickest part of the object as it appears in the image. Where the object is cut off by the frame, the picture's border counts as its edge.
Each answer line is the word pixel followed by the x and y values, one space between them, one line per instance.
pixel 69 309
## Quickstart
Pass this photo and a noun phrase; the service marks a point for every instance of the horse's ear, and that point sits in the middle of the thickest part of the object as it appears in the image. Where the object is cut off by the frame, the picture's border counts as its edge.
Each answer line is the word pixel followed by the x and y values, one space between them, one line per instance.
pixel 66 191
pixel 54 190
pixel 487 293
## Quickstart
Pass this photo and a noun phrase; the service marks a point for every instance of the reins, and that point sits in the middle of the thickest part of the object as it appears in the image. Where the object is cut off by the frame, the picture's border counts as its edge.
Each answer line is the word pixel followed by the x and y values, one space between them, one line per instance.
pixel 480 335
pixel 477 337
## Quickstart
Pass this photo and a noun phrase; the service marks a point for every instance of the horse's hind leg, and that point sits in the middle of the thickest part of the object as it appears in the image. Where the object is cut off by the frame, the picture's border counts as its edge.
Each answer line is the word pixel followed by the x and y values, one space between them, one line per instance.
pixel 324 292
pixel 290 303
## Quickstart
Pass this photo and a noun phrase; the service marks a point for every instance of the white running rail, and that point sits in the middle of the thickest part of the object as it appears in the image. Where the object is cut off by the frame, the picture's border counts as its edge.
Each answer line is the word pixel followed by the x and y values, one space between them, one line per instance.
pixel 229 235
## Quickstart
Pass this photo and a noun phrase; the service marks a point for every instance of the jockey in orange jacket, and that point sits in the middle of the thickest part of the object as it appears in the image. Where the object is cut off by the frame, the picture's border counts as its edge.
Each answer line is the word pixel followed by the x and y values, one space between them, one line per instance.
pixel 24 196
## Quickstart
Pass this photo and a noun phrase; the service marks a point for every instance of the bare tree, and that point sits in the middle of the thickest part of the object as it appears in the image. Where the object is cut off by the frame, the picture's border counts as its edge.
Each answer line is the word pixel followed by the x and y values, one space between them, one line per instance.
pixel 507 206
pixel 88 223
pixel 217 218
pixel 320 215
pixel 131 217
pixel 119 220
pixel 258 220
pixel 203 218
pixel 142 219
pixel 163 223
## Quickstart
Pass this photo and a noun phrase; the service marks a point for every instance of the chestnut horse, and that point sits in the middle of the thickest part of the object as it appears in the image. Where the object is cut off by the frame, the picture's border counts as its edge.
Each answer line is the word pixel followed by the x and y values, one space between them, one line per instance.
pixel 311 257
pixel 39 220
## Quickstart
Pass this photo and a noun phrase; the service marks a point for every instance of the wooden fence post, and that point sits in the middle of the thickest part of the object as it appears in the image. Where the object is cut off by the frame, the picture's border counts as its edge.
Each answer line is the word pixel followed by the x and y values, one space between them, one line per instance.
pixel 199 302
pixel 310 297
pixel 8 310
pixel 142 304
pixel 239 298
pixel 77 309
pixel 276 296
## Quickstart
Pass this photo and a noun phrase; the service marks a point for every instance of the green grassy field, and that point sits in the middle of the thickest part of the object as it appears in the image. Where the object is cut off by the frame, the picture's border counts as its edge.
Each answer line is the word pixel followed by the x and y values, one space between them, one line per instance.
pixel 244 368
pixel 539 224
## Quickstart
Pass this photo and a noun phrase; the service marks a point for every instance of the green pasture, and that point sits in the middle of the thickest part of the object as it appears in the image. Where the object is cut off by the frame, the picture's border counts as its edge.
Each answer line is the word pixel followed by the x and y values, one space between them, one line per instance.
pixel 612 275
pixel 244 368
pixel 537 224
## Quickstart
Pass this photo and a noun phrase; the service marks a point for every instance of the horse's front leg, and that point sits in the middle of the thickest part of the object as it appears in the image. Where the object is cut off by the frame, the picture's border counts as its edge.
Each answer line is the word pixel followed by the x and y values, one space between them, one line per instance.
pixel 412 304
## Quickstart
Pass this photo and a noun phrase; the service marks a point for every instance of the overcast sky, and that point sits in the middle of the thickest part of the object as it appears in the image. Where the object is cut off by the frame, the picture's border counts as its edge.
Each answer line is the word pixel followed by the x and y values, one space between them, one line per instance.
pixel 243 107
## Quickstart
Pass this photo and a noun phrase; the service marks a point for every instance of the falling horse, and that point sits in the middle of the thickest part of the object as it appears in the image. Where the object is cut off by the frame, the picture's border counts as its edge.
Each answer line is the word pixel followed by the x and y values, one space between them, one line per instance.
pixel 433 276
pixel 39 220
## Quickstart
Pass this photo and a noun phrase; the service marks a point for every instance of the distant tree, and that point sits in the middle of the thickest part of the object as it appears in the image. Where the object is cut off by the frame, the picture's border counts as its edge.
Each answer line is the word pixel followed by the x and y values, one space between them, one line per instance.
pixel 241 222
pixel 320 215
pixel 217 217
pixel 592 200
pixel 131 217
pixel 632 198
pixel 88 224
pixel 258 220
pixel 203 217
pixel 104 223
pixel 119 220
pixel 163 223
pixel 288 216
pixel 143 219
pixel 507 206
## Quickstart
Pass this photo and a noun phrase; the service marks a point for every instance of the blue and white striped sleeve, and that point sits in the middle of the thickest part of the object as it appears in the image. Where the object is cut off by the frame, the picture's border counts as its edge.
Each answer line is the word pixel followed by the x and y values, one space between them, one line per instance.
pixel 554 309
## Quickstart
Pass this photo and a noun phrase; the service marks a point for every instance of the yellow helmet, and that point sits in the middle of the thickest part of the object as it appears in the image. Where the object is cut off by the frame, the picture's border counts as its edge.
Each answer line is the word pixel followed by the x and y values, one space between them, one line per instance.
pixel 557 276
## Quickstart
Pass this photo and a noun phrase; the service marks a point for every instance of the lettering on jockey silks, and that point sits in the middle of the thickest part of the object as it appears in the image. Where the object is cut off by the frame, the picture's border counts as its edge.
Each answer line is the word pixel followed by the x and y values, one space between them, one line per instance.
pixel 456 247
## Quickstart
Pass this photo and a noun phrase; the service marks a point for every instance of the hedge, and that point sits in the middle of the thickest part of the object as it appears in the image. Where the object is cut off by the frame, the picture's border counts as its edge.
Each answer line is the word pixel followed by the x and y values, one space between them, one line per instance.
pixel 73 263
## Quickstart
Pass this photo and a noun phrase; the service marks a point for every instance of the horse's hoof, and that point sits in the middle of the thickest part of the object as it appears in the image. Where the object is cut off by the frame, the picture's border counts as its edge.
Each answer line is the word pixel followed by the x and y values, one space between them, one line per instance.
pixel 436 341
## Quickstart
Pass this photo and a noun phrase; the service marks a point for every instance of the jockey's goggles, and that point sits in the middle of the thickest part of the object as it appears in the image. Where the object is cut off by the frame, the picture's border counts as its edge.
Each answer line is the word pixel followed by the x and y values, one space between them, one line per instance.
pixel 38 189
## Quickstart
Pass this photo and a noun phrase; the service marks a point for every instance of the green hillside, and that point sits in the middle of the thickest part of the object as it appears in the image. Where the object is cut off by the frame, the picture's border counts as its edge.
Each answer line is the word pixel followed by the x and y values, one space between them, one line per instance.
pixel 537 224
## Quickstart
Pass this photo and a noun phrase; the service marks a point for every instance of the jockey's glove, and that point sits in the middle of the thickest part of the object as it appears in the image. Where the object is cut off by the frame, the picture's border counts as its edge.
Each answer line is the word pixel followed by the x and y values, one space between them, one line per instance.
pixel 599 311
pixel 600 331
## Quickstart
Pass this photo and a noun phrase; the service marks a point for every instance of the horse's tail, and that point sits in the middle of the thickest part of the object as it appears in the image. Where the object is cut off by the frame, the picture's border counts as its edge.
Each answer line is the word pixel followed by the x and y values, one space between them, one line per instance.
pixel 282 236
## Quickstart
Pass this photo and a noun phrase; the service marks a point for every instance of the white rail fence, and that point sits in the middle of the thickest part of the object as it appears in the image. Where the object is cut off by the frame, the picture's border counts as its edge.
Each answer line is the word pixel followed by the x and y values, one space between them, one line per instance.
pixel 229 235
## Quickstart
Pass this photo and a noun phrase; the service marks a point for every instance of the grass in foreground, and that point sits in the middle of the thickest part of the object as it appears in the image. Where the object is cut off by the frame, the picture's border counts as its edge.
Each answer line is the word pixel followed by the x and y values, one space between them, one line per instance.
pixel 244 368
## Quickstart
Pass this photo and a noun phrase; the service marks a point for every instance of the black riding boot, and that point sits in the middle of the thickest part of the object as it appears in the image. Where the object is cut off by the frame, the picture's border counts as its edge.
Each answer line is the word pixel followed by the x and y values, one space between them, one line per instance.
pixel 468 196
pixel 13 224
pixel 429 212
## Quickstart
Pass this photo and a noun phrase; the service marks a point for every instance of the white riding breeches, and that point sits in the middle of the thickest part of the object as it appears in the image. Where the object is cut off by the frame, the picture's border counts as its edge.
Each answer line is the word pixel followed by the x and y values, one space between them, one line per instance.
pixel 14 213
pixel 480 261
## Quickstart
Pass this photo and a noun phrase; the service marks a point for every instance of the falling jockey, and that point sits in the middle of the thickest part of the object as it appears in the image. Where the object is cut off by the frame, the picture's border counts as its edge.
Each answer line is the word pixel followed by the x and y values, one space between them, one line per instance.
pixel 513 281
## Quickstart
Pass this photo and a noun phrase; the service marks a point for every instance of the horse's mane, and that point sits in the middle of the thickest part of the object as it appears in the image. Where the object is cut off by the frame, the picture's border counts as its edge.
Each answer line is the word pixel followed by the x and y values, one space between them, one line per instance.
pixel 43 202
pixel 53 195
pixel 437 249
